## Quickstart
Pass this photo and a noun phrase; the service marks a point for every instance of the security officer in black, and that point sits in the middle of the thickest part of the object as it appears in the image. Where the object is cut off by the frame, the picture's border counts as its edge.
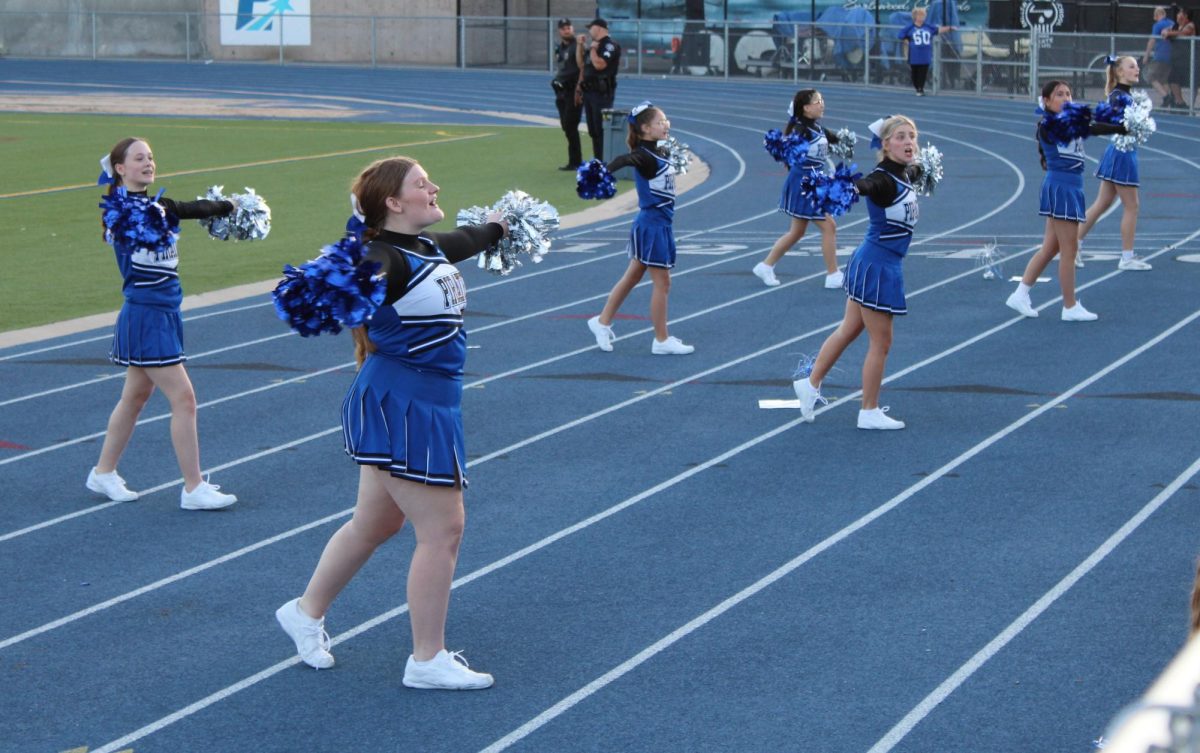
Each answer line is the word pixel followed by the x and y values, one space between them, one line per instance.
pixel 567 95
pixel 601 59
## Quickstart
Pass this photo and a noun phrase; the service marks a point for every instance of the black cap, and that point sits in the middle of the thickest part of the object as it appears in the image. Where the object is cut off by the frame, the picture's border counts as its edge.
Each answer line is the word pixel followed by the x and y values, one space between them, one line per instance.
pixel 598 22
pixel 564 22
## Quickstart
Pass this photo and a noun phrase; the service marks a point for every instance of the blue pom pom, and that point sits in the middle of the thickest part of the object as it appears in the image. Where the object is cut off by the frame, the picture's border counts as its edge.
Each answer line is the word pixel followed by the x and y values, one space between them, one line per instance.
pixel 334 290
pixel 773 143
pixel 594 181
pixel 833 194
pixel 1107 113
pixel 1070 124
pixel 138 222
pixel 790 149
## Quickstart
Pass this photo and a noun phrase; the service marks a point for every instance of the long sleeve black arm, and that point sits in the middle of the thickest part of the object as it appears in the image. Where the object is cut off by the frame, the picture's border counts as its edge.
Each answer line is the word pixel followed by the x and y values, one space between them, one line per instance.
pixel 457 245
pixel 196 210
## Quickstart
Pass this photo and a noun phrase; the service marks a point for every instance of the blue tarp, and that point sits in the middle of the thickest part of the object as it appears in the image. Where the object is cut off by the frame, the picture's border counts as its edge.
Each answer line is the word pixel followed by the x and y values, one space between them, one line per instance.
pixel 950 8
pixel 847 27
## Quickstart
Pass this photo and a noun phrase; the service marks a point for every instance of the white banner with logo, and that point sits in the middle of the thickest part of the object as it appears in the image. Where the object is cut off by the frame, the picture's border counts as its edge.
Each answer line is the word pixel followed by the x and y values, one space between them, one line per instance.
pixel 266 22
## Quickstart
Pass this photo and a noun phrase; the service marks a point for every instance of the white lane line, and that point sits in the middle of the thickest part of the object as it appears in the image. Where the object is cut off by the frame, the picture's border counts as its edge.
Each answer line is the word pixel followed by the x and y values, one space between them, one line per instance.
pixel 108 336
pixel 121 374
pixel 287 445
pixel 573 699
pixel 105 505
pixel 497 453
pixel 207 404
pixel 972 665
pixel 348 364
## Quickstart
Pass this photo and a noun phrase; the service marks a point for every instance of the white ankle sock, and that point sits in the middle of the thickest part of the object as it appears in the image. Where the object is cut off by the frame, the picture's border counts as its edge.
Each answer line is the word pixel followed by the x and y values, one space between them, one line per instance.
pixel 1023 288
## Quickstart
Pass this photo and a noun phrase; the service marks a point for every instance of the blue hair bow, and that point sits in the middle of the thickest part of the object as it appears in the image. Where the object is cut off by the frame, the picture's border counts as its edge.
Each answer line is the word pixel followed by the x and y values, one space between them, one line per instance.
pixel 1111 60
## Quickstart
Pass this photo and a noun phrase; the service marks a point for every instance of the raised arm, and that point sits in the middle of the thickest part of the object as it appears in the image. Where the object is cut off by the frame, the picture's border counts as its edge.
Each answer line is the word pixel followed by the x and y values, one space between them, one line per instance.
pixel 196 210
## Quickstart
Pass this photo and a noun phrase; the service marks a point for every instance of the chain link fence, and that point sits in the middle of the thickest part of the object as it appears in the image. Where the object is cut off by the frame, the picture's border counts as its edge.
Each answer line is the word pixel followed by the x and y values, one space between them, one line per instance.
pixel 1001 62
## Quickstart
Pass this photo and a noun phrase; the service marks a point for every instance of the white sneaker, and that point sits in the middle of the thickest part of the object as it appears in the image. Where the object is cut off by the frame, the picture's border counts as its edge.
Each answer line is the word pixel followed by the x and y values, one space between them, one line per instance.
pixel 876 419
pixel 110 485
pixel 1020 303
pixel 672 346
pixel 1078 313
pixel 604 335
pixel 312 642
pixel 445 671
pixel 1133 264
pixel 766 274
pixel 205 497
pixel 1079 260
pixel 834 281
pixel 809 395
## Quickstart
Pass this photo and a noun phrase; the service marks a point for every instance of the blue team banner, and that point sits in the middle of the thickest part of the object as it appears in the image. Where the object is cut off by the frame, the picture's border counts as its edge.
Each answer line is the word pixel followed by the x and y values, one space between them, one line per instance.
pixel 266 22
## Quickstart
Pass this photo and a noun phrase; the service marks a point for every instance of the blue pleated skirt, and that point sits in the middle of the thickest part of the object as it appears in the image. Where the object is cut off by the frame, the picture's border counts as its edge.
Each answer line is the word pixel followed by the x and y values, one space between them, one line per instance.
pixel 652 243
pixel 875 279
pixel 147 337
pixel 406 422
pixel 1062 197
pixel 793 203
pixel 1119 167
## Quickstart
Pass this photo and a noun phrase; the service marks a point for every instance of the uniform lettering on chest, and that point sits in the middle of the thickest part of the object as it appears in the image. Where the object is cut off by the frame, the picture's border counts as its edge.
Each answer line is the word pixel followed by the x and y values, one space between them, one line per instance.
pixel 454 291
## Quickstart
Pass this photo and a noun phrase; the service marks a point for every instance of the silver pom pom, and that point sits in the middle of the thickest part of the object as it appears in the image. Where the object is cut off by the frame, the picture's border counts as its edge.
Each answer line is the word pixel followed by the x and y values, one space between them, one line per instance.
pixel 843 150
pixel 530 222
pixel 249 221
pixel 930 160
pixel 1138 122
pixel 217 227
pixel 678 156
pixel 988 260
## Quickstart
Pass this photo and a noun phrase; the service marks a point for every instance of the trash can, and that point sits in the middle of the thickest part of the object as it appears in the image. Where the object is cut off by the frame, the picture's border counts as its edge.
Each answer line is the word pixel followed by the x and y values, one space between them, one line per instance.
pixel 616 129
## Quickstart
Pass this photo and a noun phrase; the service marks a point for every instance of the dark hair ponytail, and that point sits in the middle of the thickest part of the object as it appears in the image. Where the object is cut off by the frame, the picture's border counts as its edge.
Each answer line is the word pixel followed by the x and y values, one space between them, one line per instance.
pixel 1047 89
pixel 116 156
pixel 634 136
pixel 801 99
pixel 378 182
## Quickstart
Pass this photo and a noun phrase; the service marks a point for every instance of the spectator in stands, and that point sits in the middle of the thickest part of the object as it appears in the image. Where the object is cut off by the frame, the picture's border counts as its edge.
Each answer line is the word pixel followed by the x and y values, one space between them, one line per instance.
pixel 1157 60
pixel 1181 57
pixel 918 43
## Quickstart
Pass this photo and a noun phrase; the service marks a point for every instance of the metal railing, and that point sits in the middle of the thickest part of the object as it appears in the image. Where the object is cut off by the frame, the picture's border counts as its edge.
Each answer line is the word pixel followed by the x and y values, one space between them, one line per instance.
pixel 1001 62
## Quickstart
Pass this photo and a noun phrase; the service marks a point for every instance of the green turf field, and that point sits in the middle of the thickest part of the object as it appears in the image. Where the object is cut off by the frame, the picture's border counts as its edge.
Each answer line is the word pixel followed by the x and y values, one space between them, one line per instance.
pixel 56 266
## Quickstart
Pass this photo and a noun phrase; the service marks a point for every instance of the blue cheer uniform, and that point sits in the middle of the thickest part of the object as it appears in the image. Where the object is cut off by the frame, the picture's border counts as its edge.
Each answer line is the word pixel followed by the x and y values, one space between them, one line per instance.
pixel 1062 188
pixel 149 328
pixel 792 201
pixel 874 275
pixel 1117 166
pixel 403 413
pixel 652 238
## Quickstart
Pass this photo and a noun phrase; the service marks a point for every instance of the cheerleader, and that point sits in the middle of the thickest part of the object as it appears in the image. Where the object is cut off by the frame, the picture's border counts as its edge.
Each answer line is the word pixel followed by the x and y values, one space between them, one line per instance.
pixel 874 278
pixel 148 338
pixel 811 107
pixel 402 422
pixel 651 239
pixel 1118 171
pixel 1062 205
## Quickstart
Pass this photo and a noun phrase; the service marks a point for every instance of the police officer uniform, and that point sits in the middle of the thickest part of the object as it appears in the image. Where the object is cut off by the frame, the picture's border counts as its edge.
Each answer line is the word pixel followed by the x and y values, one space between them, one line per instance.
pixel 566 86
pixel 599 85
